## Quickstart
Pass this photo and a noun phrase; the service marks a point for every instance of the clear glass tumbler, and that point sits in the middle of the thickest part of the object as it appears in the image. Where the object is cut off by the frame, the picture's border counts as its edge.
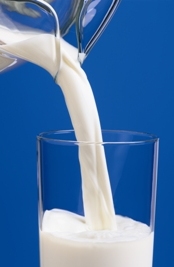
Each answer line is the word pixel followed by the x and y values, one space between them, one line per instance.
pixel 66 240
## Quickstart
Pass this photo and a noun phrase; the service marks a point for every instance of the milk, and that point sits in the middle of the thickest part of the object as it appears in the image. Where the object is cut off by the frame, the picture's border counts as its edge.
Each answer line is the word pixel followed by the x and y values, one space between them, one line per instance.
pixel 97 197
pixel 67 248
pixel 66 241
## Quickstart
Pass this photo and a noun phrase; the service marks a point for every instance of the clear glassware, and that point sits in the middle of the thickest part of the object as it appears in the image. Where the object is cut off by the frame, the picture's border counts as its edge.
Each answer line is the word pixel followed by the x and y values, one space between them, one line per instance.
pixel 90 18
pixel 132 163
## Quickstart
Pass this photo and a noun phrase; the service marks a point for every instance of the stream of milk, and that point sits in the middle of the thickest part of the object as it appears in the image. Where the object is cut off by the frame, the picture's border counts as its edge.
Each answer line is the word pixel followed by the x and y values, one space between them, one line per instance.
pixel 97 196
pixel 60 60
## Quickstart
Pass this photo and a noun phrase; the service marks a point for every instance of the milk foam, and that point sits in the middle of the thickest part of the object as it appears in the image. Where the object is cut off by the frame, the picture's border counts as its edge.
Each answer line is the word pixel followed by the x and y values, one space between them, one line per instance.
pixel 70 226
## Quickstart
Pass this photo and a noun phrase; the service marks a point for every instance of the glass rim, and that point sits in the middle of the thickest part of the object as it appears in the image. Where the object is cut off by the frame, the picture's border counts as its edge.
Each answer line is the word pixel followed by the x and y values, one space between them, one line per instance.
pixel 148 138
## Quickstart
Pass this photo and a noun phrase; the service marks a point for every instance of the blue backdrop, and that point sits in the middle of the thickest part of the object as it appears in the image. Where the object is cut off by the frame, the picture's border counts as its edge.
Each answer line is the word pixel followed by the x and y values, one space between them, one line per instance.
pixel 131 70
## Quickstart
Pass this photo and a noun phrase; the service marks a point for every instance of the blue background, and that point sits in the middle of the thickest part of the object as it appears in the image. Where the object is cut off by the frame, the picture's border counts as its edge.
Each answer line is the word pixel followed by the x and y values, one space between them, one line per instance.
pixel 133 83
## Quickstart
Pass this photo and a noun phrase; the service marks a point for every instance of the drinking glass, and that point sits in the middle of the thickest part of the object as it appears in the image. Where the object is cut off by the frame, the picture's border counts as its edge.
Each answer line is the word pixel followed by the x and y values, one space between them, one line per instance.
pixel 132 163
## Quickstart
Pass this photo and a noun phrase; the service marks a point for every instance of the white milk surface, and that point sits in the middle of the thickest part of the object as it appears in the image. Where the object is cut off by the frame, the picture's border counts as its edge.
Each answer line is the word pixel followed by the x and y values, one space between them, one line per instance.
pixel 66 240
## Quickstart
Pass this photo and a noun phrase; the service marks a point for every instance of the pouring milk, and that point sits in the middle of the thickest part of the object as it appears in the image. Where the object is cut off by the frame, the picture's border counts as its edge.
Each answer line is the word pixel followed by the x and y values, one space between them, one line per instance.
pixel 101 238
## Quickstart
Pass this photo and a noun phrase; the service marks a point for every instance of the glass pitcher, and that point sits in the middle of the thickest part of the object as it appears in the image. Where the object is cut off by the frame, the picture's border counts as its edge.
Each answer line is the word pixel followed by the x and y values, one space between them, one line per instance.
pixel 88 18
